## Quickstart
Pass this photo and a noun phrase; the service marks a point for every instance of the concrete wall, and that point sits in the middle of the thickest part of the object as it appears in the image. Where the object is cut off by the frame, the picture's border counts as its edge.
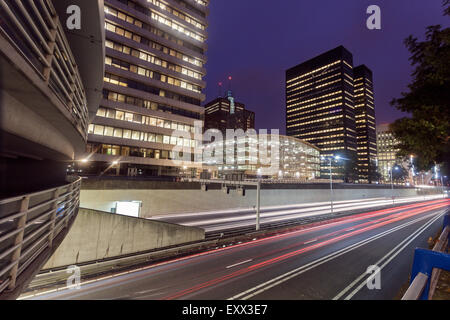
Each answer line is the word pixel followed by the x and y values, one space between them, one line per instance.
pixel 157 201
pixel 97 235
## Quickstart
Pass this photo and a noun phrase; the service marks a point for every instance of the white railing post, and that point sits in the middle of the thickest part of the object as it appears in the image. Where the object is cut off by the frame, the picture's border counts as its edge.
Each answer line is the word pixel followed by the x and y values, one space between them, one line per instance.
pixel 19 240
pixel 73 202
pixel 53 217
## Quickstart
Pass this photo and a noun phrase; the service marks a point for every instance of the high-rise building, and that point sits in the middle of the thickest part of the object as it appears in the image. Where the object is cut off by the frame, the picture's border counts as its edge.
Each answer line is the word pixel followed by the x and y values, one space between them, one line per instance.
pixel 320 106
pixel 155 64
pixel 226 113
pixel 387 151
pixel 365 124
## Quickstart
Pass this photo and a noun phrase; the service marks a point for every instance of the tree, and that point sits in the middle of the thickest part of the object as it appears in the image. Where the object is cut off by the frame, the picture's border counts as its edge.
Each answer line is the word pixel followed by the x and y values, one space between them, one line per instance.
pixel 374 175
pixel 349 167
pixel 426 133
pixel 399 173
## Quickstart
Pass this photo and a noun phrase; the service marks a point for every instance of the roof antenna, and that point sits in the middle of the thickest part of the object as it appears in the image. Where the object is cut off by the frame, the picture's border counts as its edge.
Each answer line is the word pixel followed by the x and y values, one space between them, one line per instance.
pixel 220 89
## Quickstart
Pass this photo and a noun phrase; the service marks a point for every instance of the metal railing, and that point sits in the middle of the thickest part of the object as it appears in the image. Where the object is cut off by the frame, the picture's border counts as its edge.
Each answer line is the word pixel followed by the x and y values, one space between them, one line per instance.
pixel 427 267
pixel 28 226
pixel 34 29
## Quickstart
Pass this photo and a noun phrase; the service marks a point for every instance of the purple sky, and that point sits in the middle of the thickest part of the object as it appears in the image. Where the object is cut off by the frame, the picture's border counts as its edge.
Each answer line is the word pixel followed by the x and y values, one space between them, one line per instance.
pixel 255 41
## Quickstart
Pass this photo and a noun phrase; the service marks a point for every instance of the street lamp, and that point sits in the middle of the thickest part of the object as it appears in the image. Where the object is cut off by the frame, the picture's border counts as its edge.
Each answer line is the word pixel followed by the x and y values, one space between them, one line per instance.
pixel 392 184
pixel 330 159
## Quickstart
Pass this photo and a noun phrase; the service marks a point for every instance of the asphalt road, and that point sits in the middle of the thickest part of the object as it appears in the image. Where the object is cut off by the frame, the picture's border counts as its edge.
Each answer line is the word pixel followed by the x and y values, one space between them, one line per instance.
pixel 316 262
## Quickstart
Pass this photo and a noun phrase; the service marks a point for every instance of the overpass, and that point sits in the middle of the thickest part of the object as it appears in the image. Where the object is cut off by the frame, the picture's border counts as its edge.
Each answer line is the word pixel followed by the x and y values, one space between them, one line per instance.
pixel 50 87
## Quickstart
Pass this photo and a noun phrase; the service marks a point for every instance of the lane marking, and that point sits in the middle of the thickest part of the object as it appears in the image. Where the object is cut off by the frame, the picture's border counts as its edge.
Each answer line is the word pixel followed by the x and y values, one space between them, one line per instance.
pixel 409 214
pixel 389 256
pixel 239 263
pixel 311 241
pixel 330 224
pixel 221 226
pixel 296 272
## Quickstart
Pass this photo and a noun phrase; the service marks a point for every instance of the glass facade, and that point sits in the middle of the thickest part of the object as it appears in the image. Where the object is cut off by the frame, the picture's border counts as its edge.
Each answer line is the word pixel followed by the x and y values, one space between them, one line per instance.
pixel 387 152
pixel 365 124
pixel 330 104
pixel 320 104
pixel 294 159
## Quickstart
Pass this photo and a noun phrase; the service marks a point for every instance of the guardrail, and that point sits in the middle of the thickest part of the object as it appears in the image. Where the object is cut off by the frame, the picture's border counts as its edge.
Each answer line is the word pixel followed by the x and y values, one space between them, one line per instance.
pixel 427 267
pixel 28 226
pixel 34 29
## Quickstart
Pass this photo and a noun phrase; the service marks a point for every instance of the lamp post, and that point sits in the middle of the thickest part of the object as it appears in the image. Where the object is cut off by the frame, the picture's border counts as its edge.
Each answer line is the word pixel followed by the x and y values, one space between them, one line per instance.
pixel 330 159
pixel 392 183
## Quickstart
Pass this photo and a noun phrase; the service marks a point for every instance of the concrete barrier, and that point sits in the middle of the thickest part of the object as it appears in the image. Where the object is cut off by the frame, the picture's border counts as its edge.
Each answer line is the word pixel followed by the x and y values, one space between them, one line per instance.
pixel 170 198
pixel 97 235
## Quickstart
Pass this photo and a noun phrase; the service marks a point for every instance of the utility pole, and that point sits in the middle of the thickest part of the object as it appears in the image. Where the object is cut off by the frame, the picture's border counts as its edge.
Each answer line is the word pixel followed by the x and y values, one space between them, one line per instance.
pixel 392 187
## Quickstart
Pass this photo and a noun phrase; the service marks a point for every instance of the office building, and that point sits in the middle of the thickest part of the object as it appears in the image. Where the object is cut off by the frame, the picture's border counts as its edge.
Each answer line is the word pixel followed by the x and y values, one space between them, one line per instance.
pixel 387 152
pixel 155 65
pixel 365 124
pixel 286 158
pixel 320 106
pixel 226 113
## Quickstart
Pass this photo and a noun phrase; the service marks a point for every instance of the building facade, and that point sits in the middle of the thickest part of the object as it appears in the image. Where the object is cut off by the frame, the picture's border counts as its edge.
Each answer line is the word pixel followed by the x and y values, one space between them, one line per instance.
pixel 274 157
pixel 226 113
pixel 155 64
pixel 387 152
pixel 365 124
pixel 320 106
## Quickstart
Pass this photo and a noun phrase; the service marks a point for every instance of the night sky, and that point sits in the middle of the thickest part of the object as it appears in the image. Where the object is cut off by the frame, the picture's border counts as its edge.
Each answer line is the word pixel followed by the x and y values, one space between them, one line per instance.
pixel 255 41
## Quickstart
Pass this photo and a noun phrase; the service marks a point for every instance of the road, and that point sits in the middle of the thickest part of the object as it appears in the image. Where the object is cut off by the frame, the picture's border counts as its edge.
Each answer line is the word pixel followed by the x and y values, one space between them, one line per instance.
pixel 215 221
pixel 326 261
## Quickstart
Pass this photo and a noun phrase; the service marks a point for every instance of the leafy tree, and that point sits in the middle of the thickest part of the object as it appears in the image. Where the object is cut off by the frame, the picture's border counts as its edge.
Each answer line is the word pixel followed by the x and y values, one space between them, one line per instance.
pixel 426 133
pixel 400 173
pixel 349 166
pixel 374 175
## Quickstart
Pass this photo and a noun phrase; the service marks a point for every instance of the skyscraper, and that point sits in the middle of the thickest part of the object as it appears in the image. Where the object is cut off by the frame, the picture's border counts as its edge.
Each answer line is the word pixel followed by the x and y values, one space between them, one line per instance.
pixel 320 106
pixel 365 124
pixel 225 113
pixel 155 57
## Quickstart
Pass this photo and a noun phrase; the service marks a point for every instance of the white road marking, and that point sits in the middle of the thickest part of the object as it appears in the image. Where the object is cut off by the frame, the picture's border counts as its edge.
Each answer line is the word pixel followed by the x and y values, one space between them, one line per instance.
pixel 296 272
pixel 311 241
pixel 239 263
pixel 393 253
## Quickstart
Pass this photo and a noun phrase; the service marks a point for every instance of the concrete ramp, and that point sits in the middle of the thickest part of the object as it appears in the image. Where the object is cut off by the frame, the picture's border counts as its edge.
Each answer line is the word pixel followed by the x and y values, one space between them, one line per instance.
pixel 97 235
